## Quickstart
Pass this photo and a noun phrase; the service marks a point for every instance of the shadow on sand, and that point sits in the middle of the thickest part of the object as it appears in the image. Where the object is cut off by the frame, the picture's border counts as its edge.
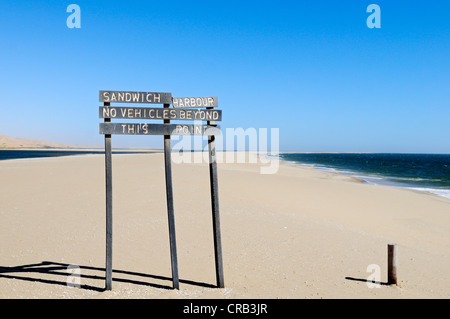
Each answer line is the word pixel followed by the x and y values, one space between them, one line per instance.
pixel 366 280
pixel 61 269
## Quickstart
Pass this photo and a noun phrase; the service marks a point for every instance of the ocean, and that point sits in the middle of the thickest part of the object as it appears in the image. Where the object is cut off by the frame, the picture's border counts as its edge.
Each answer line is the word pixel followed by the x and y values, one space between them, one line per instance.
pixel 16 154
pixel 423 172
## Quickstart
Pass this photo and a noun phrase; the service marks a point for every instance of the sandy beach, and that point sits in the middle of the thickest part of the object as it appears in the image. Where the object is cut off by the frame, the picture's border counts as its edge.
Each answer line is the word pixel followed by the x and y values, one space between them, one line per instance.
pixel 299 233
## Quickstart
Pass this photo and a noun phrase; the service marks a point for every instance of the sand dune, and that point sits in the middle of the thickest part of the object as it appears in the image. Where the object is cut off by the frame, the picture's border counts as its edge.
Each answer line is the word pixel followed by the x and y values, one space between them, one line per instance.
pixel 7 142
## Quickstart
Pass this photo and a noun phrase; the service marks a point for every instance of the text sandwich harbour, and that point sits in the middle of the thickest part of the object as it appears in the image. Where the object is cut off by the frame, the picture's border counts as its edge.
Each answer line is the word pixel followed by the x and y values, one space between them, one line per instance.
pixel 157 98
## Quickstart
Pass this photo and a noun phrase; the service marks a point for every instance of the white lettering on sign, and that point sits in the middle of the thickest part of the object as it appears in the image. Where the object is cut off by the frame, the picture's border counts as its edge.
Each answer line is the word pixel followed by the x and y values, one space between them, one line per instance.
pixel 135 97
pixel 160 113
pixel 207 101
pixel 158 129
pixel 191 129
pixel 135 128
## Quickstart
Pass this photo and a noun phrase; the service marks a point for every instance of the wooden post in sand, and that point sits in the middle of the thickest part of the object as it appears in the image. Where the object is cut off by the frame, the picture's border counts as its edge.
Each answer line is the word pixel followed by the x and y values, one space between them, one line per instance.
pixel 108 175
pixel 170 210
pixel 392 264
pixel 215 207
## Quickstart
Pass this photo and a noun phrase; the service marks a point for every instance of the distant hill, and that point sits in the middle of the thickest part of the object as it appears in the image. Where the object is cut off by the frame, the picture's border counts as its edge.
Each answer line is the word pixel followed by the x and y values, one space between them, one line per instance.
pixel 12 142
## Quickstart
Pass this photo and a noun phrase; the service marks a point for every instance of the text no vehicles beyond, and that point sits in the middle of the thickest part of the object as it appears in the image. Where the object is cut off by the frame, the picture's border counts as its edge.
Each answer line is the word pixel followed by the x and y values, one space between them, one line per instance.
pixel 160 113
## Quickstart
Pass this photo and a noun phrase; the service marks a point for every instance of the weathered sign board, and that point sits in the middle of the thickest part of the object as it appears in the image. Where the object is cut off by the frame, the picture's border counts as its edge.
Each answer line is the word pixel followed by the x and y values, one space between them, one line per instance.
pixel 158 129
pixel 185 108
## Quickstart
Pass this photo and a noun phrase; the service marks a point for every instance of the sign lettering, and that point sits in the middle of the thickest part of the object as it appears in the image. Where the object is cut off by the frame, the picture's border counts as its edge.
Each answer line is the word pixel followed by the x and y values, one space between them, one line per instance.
pixel 159 113
pixel 206 101
pixel 158 129
pixel 135 97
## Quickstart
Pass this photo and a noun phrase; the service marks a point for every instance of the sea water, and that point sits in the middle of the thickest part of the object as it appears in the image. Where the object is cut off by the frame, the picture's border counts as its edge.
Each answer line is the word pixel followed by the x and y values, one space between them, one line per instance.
pixel 424 172
pixel 16 154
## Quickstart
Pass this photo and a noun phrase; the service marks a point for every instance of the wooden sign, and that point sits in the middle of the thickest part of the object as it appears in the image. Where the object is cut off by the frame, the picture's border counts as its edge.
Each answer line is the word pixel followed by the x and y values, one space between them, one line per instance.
pixel 166 114
pixel 206 101
pixel 135 97
pixel 158 129
pixel 159 113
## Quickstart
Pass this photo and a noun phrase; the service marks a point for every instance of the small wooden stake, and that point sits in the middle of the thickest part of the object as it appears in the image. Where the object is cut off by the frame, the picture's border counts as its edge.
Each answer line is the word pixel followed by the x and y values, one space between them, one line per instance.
pixel 392 264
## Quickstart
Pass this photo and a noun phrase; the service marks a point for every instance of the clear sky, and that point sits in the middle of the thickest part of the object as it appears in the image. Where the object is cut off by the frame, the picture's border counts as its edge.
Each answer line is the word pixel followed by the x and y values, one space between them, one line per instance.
pixel 313 68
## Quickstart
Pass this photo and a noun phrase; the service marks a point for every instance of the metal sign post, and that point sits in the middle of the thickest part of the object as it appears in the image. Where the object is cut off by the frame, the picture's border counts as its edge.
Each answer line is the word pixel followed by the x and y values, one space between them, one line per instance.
pixel 185 108
pixel 108 175
pixel 215 208
pixel 170 213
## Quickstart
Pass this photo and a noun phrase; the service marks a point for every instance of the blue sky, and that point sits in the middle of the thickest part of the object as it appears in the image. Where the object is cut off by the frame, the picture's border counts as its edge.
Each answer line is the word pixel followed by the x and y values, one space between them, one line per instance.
pixel 313 69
